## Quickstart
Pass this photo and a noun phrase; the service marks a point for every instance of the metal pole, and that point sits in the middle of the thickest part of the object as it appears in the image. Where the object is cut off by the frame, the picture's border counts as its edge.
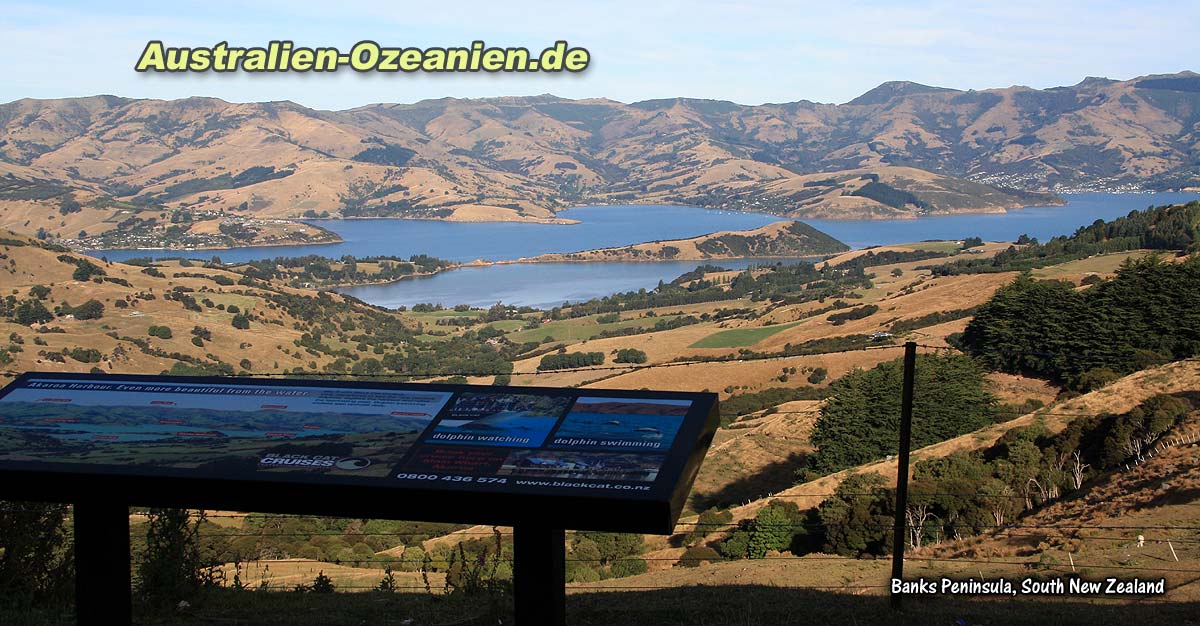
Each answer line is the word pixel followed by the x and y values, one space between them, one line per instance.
pixel 102 592
pixel 906 406
pixel 539 576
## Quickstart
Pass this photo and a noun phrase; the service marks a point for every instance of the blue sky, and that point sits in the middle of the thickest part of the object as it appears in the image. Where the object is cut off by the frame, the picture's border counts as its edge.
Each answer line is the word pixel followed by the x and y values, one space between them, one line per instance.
pixel 748 52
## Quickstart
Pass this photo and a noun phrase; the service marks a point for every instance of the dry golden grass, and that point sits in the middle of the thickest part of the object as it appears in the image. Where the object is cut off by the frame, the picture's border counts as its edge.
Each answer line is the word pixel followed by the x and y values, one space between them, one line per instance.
pixel 285 574
pixel 756 451
pixel 762 448
pixel 1100 524
pixel 947 293
pixel 1118 397
pixel 484 213
pixel 871 576
pixel 1015 389
pixel 924 296
pixel 1103 265
pixel 753 375
pixel 988 250
pixel 467 534
pixel 26 216
pixel 263 344
pixel 659 347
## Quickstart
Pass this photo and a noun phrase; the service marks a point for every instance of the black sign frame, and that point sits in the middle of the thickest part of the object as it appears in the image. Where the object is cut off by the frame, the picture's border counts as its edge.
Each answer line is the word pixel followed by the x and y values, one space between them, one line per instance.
pixel 100 493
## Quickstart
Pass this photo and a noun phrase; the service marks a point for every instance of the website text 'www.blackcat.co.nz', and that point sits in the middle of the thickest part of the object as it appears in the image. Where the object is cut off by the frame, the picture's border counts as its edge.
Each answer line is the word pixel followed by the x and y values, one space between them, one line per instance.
pixel 364 56
pixel 581 485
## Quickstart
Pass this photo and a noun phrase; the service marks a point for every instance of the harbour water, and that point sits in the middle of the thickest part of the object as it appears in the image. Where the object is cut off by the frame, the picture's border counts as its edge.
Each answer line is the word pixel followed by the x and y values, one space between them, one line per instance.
pixel 551 284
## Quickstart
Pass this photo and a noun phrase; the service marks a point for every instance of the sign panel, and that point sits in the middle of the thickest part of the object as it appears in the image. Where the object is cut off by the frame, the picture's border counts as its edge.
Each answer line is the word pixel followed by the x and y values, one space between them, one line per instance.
pixel 617 445
pixel 214 429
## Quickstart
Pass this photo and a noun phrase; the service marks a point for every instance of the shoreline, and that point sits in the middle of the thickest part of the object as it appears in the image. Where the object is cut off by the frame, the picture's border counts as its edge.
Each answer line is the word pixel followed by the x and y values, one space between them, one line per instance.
pixel 479 263
pixel 871 217
pixel 539 259
pixel 548 221
pixel 561 221
pixel 206 248
pixel 336 238
pixel 339 239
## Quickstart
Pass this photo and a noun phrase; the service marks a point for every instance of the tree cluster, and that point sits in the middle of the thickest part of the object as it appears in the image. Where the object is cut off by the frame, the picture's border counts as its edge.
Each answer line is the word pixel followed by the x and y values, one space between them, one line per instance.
pixel 1146 315
pixel 570 360
pixel 1175 227
pixel 861 421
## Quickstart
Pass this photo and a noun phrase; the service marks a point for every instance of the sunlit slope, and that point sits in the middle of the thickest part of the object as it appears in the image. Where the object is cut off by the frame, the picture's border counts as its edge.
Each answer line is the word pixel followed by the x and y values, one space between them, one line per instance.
pixel 897 153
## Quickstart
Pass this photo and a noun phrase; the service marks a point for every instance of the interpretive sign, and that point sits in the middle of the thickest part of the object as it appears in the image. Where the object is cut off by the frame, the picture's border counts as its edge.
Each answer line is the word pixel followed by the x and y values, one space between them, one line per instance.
pixel 542 459
pixel 64 431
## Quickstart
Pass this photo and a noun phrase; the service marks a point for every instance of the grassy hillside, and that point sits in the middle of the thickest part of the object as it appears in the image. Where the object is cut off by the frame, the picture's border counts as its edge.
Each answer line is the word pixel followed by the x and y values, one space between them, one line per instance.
pixel 774 341
pixel 97 170
pixel 185 317
pixel 89 165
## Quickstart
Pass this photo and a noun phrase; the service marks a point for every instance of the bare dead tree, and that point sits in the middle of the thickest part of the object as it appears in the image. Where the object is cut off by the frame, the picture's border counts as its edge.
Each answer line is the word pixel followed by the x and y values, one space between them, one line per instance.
pixel 1133 448
pixel 1077 469
pixel 998 508
pixel 917 515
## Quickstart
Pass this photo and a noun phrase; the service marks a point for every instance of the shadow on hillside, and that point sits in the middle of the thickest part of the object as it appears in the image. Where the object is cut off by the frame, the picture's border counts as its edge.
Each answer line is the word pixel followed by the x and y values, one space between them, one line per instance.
pixel 773 478
pixel 1193 397
pixel 1174 497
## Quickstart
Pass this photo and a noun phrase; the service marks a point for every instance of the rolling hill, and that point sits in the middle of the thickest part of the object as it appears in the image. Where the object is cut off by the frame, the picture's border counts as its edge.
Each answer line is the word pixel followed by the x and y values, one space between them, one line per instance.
pixel 753 459
pixel 69 312
pixel 781 239
pixel 117 167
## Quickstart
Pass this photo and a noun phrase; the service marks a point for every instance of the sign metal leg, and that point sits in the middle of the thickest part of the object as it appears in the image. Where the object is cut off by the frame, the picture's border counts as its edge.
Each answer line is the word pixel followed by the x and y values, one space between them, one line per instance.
pixel 102 589
pixel 539 576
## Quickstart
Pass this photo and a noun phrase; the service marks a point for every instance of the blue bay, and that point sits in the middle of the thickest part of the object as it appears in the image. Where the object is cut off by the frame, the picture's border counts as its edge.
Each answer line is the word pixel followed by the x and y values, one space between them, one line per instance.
pixel 550 284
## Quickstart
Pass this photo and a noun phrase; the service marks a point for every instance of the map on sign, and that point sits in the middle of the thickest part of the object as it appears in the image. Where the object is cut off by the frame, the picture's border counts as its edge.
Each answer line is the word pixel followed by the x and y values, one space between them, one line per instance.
pixel 214 429
pixel 458 438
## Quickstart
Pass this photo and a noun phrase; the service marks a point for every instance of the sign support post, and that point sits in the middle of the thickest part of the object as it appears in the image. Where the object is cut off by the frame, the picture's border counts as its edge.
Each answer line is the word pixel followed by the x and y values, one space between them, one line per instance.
pixel 906 409
pixel 539 575
pixel 102 580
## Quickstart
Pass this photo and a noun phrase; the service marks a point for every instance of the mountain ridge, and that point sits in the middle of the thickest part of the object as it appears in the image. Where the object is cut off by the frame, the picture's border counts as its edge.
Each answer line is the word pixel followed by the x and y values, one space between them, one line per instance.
pixel 525 158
